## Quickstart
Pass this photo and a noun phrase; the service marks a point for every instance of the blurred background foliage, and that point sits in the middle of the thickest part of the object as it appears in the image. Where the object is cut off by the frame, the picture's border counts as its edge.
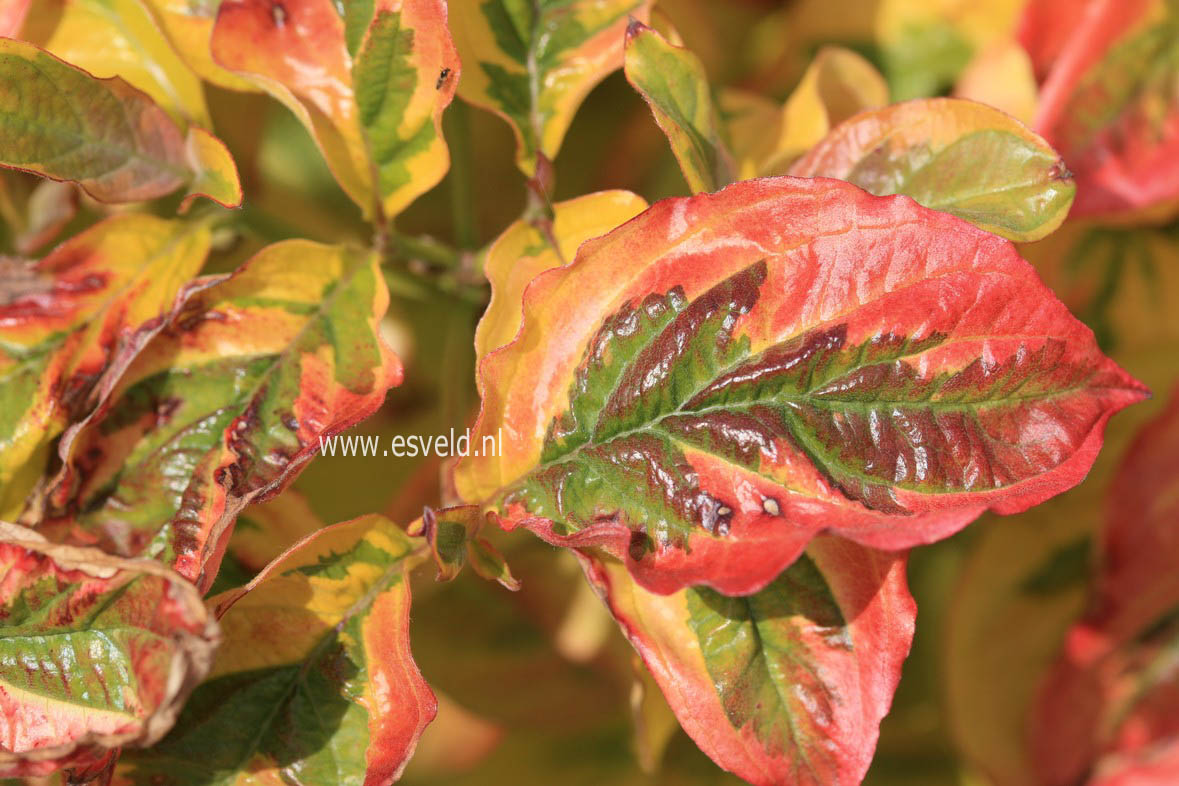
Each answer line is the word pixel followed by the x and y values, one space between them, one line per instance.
pixel 539 686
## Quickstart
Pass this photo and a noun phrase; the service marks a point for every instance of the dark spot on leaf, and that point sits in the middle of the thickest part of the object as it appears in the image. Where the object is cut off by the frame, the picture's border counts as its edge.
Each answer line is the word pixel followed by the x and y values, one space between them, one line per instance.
pixel 443 75
pixel 639 545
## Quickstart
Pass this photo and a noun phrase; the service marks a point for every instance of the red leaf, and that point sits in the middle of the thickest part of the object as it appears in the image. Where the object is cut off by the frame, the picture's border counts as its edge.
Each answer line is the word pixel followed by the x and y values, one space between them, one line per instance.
pixel 711 385
pixel 786 686
pixel 1109 103
pixel 1114 690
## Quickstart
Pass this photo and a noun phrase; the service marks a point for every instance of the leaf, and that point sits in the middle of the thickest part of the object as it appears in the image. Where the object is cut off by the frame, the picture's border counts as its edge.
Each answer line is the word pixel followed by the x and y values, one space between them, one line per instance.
pixel 12 17
pixel 1001 77
pixel 522 253
pixel 1045 28
pixel 453 536
pixel 214 173
pixel 837 85
pixel 188 25
pixel 60 122
pixel 1138 582
pixel 951 155
pixel 1023 584
pixel 1113 690
pixel 51 206
pixel 674 84
pixel 533 63
pixel 785 686
pixel 227 405
pixel 373 103
pixel 712 384
pixel 109 38
pixel 1111 107
pixel 99 652
pixel 71 323
pixel 925 44
pixel 315 682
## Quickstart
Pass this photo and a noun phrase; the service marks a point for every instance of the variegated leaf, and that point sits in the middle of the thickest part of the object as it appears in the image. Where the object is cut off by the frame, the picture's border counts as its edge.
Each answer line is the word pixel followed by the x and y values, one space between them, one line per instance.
pixel 368 80
pixel 533 63
pixel 70 323
pixel 99 652
pixel 315 682
pixel 706 388
pixel 787 685
pixel 1110 103
pixel 226 405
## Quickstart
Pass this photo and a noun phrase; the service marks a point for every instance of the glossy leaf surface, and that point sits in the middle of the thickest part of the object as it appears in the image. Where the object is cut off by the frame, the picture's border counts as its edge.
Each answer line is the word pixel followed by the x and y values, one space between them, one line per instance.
pixel 785 686
pixel 1110 104
pixel 71 321
pixel 315 682
pixel 533 63
pixel 60 122
pixel 726 376
pixel 370 81
pixel 951 155
pixel 674 84
pixel 225 406
pixel 1112 693
pixel 99 652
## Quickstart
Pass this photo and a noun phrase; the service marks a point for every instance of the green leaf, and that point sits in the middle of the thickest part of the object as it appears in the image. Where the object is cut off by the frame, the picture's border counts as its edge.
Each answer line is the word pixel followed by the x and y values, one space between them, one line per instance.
pixel 952 155
pixel 672 81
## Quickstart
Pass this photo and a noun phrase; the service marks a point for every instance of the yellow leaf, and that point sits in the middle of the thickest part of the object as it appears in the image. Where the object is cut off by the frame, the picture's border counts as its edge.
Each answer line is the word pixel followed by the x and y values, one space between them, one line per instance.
pixel 120 38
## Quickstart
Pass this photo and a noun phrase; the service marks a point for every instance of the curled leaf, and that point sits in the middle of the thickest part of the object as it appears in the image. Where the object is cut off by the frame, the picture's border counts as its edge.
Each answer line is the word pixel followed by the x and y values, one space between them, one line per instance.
pixel 951 155
pixel 453 536
pixel 787 685
pixel 674 84
pixel 315 675
pixel 709 386
pixel 100 652
pixel 58 121
pixel 369 81
pixel 225 406
pixel 534 63
pixel 71 323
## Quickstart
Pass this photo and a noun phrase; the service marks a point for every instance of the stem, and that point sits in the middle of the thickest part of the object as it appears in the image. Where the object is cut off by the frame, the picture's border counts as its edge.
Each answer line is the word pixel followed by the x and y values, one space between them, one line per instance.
pixel 424 251
pixel 462 211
